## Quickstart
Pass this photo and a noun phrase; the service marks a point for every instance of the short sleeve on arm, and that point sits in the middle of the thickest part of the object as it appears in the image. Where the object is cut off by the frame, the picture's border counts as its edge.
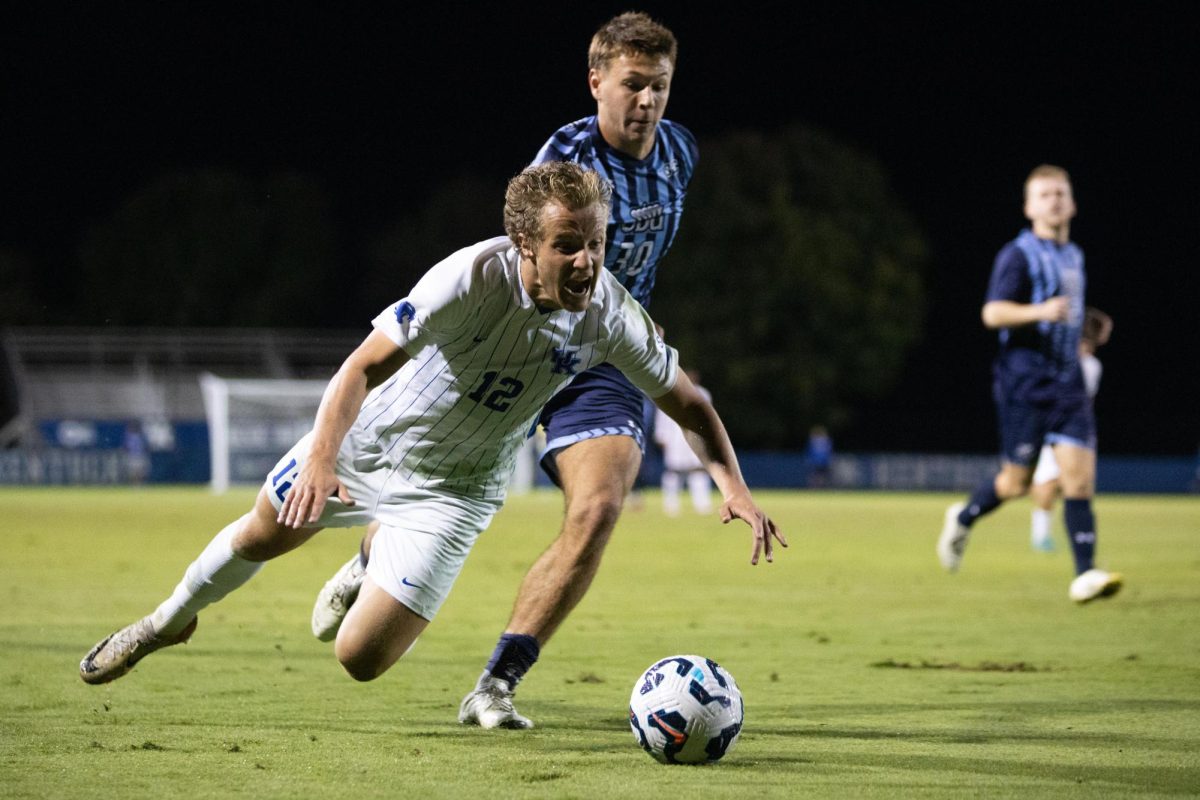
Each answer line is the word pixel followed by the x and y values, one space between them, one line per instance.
pixel 1010 276
pixel 640 353
pixel 434 312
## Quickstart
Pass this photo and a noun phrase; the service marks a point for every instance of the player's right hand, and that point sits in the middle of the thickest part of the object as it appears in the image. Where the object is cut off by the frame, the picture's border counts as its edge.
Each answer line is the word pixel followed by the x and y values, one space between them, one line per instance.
pixel 1056 309
pixel 306 500
pixel 742 506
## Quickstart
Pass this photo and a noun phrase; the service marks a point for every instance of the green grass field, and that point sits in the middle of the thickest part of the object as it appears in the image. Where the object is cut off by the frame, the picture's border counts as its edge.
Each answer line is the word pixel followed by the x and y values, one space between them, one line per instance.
pixel 867 671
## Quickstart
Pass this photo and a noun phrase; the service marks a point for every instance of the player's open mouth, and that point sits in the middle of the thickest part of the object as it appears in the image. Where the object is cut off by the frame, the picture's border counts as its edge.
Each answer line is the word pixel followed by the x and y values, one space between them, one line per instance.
pixel 579 288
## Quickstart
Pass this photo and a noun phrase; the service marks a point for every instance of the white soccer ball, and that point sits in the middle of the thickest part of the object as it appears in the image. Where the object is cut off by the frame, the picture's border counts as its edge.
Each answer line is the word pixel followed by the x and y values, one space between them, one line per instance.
pixel 686 710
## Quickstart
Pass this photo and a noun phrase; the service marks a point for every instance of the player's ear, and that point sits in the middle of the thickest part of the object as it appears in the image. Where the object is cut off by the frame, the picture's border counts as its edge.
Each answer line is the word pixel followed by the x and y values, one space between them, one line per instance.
pixel 525 248
pixel 594 78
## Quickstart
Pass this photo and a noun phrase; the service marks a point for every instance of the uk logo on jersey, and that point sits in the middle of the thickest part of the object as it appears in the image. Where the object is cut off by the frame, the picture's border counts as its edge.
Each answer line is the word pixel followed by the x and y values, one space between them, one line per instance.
pixel 405 312
pixel 564 360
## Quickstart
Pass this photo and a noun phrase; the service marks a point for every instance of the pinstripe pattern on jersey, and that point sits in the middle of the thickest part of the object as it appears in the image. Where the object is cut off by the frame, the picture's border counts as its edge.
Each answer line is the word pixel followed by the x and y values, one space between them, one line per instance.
pixel 435 425
pixel 648 195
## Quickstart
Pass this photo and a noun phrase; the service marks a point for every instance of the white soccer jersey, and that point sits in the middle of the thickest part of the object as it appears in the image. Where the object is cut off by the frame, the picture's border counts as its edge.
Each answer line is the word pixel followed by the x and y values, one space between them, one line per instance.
pixel 484 360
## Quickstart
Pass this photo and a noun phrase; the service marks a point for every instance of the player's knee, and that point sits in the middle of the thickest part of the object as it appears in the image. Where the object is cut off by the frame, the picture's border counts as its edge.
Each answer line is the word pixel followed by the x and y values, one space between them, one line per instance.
pixel 1008 488
pixel 254 539
pixel 361 666
pixel 1078 490
pixel 361 672
pixel 592 521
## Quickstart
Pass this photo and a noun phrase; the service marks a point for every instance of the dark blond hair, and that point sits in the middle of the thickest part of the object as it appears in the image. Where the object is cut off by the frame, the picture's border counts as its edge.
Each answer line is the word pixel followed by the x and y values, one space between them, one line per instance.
pixel 562 182
pixel 629 34
pixel 1046 171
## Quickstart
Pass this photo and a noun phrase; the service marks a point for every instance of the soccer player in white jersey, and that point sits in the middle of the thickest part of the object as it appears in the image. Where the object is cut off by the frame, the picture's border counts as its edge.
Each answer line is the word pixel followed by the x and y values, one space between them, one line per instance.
pixel 1097 327
pixel 418 429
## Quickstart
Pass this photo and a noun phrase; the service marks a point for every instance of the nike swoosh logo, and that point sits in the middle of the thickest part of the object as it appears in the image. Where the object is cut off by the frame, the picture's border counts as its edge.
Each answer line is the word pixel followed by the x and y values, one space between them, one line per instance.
pixel 407 582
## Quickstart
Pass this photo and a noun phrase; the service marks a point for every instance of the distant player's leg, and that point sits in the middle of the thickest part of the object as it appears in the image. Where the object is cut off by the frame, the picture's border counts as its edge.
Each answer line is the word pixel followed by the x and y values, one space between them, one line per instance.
pixel 339 592
pixel 671 484
pixel 1021 431
pixel 1043 493
pixel 232 558
pixel 1078 466
pixel 1012 481
pixel 596 474
pixel 700 488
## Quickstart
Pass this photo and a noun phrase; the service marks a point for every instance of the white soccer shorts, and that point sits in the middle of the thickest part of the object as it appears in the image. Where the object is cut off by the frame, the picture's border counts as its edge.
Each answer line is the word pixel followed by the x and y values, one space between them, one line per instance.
pixel 1047 467
pixel 424 536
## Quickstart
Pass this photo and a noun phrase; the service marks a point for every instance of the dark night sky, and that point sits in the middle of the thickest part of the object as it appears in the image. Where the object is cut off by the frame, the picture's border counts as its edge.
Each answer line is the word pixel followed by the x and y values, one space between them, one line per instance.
pixel 957 104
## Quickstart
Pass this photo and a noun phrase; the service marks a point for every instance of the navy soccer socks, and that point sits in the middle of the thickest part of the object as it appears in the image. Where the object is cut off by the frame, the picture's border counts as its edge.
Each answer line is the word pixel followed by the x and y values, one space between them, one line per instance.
pixel 983 501
pixel 1081 531
pixel 515 653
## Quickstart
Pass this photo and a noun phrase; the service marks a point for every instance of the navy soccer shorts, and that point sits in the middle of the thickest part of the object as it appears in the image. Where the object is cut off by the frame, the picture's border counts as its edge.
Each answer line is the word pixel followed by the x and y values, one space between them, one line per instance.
pixel 1024 427
pixel 598 402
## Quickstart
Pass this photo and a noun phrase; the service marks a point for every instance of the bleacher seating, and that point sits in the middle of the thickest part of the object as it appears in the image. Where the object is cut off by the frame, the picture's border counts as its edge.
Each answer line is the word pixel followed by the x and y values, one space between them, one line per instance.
pixel 106 374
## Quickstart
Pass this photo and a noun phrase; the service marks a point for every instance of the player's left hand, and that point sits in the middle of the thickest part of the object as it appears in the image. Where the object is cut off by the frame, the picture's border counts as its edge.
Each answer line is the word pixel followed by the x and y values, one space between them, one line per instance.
pixel 743 507
pixel 306 500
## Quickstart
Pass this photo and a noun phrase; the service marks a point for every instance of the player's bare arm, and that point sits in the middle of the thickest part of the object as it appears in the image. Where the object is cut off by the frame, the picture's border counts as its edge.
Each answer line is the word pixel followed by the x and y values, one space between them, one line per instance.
pixel 1009 314
pixel 1100 325
pixel 371 363
pixel 707 436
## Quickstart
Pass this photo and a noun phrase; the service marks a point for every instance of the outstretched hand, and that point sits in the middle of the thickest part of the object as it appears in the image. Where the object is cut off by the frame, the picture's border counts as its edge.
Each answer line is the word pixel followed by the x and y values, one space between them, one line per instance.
pixel 315 484
pixel 765 533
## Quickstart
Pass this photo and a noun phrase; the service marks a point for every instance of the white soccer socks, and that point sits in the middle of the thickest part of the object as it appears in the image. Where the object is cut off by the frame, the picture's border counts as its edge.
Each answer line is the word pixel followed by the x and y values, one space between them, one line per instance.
pixel 216 573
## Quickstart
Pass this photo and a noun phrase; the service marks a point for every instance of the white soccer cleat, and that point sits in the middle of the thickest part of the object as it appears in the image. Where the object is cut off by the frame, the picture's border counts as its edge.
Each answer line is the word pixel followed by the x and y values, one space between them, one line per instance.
pixel 490 706
pixel 335 598
pixel 953 540
pixel 116 654
pixel 1093 585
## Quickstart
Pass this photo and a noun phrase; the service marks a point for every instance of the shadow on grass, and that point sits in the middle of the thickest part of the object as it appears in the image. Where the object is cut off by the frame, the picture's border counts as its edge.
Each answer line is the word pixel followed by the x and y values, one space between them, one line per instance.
pixel 1105 780
pixel 1036 727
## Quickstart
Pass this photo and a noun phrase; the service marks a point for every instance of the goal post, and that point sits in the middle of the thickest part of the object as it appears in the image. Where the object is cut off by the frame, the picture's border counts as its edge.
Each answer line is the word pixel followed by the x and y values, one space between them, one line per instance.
pixel 254 421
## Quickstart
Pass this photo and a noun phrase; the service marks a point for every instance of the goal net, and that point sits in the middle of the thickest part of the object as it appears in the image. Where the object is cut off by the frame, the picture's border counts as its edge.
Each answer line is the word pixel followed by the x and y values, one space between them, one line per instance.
pixel 252 422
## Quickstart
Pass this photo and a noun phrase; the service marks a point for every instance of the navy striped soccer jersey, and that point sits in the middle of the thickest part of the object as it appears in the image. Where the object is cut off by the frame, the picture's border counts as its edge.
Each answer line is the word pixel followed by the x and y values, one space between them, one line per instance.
pixel 1040 362
pixel 484 360
pixel 647 200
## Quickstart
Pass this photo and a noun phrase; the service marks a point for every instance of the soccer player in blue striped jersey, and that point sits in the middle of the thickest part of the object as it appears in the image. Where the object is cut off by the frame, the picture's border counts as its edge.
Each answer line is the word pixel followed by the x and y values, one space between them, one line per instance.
pixel 417 431
pixel 1035 300
pixel 594 429
pixel 594 432
pixel 648 160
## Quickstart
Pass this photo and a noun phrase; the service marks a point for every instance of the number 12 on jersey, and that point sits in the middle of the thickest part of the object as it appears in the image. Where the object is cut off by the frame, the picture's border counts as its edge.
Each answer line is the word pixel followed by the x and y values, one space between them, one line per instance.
pixel 500 398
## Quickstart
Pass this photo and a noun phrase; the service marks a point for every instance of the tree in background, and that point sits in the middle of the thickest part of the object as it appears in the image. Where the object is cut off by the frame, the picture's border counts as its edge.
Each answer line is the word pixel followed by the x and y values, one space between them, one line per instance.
pixel 795 285
pixel 212 248
pixel 458 212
